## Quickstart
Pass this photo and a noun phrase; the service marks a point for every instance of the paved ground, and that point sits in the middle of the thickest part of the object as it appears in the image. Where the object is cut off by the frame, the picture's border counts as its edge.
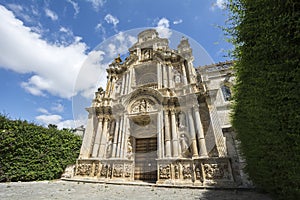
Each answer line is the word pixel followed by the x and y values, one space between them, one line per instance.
pixel 75 190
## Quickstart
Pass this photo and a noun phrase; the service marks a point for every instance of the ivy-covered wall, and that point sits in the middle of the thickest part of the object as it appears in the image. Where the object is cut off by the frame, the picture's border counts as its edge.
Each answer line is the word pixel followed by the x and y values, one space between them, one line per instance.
pixel 266 34
pixel 29 152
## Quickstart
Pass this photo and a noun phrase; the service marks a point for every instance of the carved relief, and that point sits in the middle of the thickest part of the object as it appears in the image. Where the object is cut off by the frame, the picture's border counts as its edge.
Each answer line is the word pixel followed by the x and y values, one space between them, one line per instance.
pixel 96 172
pixel 104 170
pixel 128 170
pixel 164 171
pixel 118 170
pixel 187 171
pixel 216 171
pixel 141 106
pixel 176 171
pixel 83 169
pixel 198 172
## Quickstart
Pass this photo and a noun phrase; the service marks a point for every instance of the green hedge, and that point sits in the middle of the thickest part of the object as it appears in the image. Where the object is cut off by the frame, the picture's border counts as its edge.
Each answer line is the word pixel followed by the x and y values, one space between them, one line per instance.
pixel 266 34
pixel 30 152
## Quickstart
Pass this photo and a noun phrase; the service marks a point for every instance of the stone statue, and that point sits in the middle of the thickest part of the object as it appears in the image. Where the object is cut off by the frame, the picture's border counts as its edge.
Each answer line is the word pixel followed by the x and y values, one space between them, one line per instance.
pixel 109 147
pixel 129 149
pixel 177 78
pixel 181 120
pixel 184 145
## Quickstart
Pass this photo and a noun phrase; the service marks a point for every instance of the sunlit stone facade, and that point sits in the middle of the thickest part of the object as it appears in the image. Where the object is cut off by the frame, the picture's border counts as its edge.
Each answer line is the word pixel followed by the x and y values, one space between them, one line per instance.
pixel 161 120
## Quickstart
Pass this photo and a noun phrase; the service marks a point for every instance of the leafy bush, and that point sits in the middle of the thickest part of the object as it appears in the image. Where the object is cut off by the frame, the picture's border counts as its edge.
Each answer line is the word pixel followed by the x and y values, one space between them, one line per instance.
pixel 267 95
pixel 30 152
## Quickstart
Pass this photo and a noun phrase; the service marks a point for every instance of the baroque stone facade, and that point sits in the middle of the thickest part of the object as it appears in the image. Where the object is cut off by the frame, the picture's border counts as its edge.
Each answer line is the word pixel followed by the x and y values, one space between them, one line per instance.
pixel 161 120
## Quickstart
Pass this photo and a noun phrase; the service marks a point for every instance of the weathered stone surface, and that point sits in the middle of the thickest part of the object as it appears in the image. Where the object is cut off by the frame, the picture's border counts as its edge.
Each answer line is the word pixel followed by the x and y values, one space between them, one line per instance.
pixel 62 190
pixel 161 120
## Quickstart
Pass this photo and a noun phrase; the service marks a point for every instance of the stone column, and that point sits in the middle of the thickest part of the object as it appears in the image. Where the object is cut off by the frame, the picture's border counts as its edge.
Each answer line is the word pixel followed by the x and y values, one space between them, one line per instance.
pixel 102 149
pixel 126 136
pixel 107 91
pixel 112 88
pixel 115 142
pixel 120 137
pixel 159 79
pixel 174 134
pixel 124 133
pixel 184 75
pixel 87 143
pixel 200 134
pixel 97 138
pixel 123 84
pixel 219 138
pixel 193 135
pixel 130 80
pixel 165 77
pixel 167 134
pixel 127 82
pixel 159 136
pixel 171 81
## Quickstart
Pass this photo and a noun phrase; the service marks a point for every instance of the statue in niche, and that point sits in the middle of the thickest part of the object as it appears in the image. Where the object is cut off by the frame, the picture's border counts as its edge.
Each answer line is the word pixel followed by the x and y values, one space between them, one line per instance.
pixel 181 120
pixel 129 149
pixel 147 54
pixel 177 78
pixel 109 147
pixel 185 152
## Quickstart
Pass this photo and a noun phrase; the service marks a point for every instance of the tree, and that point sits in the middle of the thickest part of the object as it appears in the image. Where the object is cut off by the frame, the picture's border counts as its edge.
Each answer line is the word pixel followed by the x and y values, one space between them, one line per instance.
pixel 266 111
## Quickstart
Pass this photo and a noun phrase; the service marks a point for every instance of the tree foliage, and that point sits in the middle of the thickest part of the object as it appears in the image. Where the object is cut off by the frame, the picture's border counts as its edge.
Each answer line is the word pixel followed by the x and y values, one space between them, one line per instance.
pixel 30 152
pixel 266 113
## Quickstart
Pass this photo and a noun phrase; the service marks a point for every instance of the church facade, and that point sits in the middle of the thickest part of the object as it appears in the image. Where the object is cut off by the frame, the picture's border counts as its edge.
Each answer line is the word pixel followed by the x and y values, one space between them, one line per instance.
pixel 161 120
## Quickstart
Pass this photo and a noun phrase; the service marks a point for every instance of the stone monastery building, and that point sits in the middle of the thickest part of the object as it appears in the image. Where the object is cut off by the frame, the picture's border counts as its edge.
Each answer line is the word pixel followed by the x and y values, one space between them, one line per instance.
pixel 161 120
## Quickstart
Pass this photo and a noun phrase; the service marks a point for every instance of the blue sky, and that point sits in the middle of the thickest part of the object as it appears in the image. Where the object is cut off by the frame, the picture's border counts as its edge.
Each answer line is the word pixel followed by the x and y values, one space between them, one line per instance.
pixel 45 45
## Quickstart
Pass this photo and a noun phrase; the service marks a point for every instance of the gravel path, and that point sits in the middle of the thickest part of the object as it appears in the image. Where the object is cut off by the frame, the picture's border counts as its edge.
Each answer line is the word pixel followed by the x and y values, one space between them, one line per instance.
pixel 74 190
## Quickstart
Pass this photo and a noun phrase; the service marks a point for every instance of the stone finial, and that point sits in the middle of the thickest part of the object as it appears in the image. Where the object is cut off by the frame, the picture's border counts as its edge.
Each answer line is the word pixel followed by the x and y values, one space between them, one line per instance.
pixel 118 59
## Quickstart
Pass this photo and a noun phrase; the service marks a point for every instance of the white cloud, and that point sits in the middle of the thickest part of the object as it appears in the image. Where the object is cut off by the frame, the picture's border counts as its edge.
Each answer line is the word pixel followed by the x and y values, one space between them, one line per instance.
pixel 54 66
pixel 49 13
pixel 43 110
pixel 75 6
pixel 57 120
pixel 48 119
pixel 178 21
pixel 20 12
pixel 221 4
pixel 97 4
pixel 163 28
pixel 99 28
pixel 58 107
pixel 112 20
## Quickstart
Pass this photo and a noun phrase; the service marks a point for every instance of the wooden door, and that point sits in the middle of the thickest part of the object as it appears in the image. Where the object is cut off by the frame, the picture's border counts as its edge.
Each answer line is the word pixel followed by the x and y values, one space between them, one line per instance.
pixel 145 159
